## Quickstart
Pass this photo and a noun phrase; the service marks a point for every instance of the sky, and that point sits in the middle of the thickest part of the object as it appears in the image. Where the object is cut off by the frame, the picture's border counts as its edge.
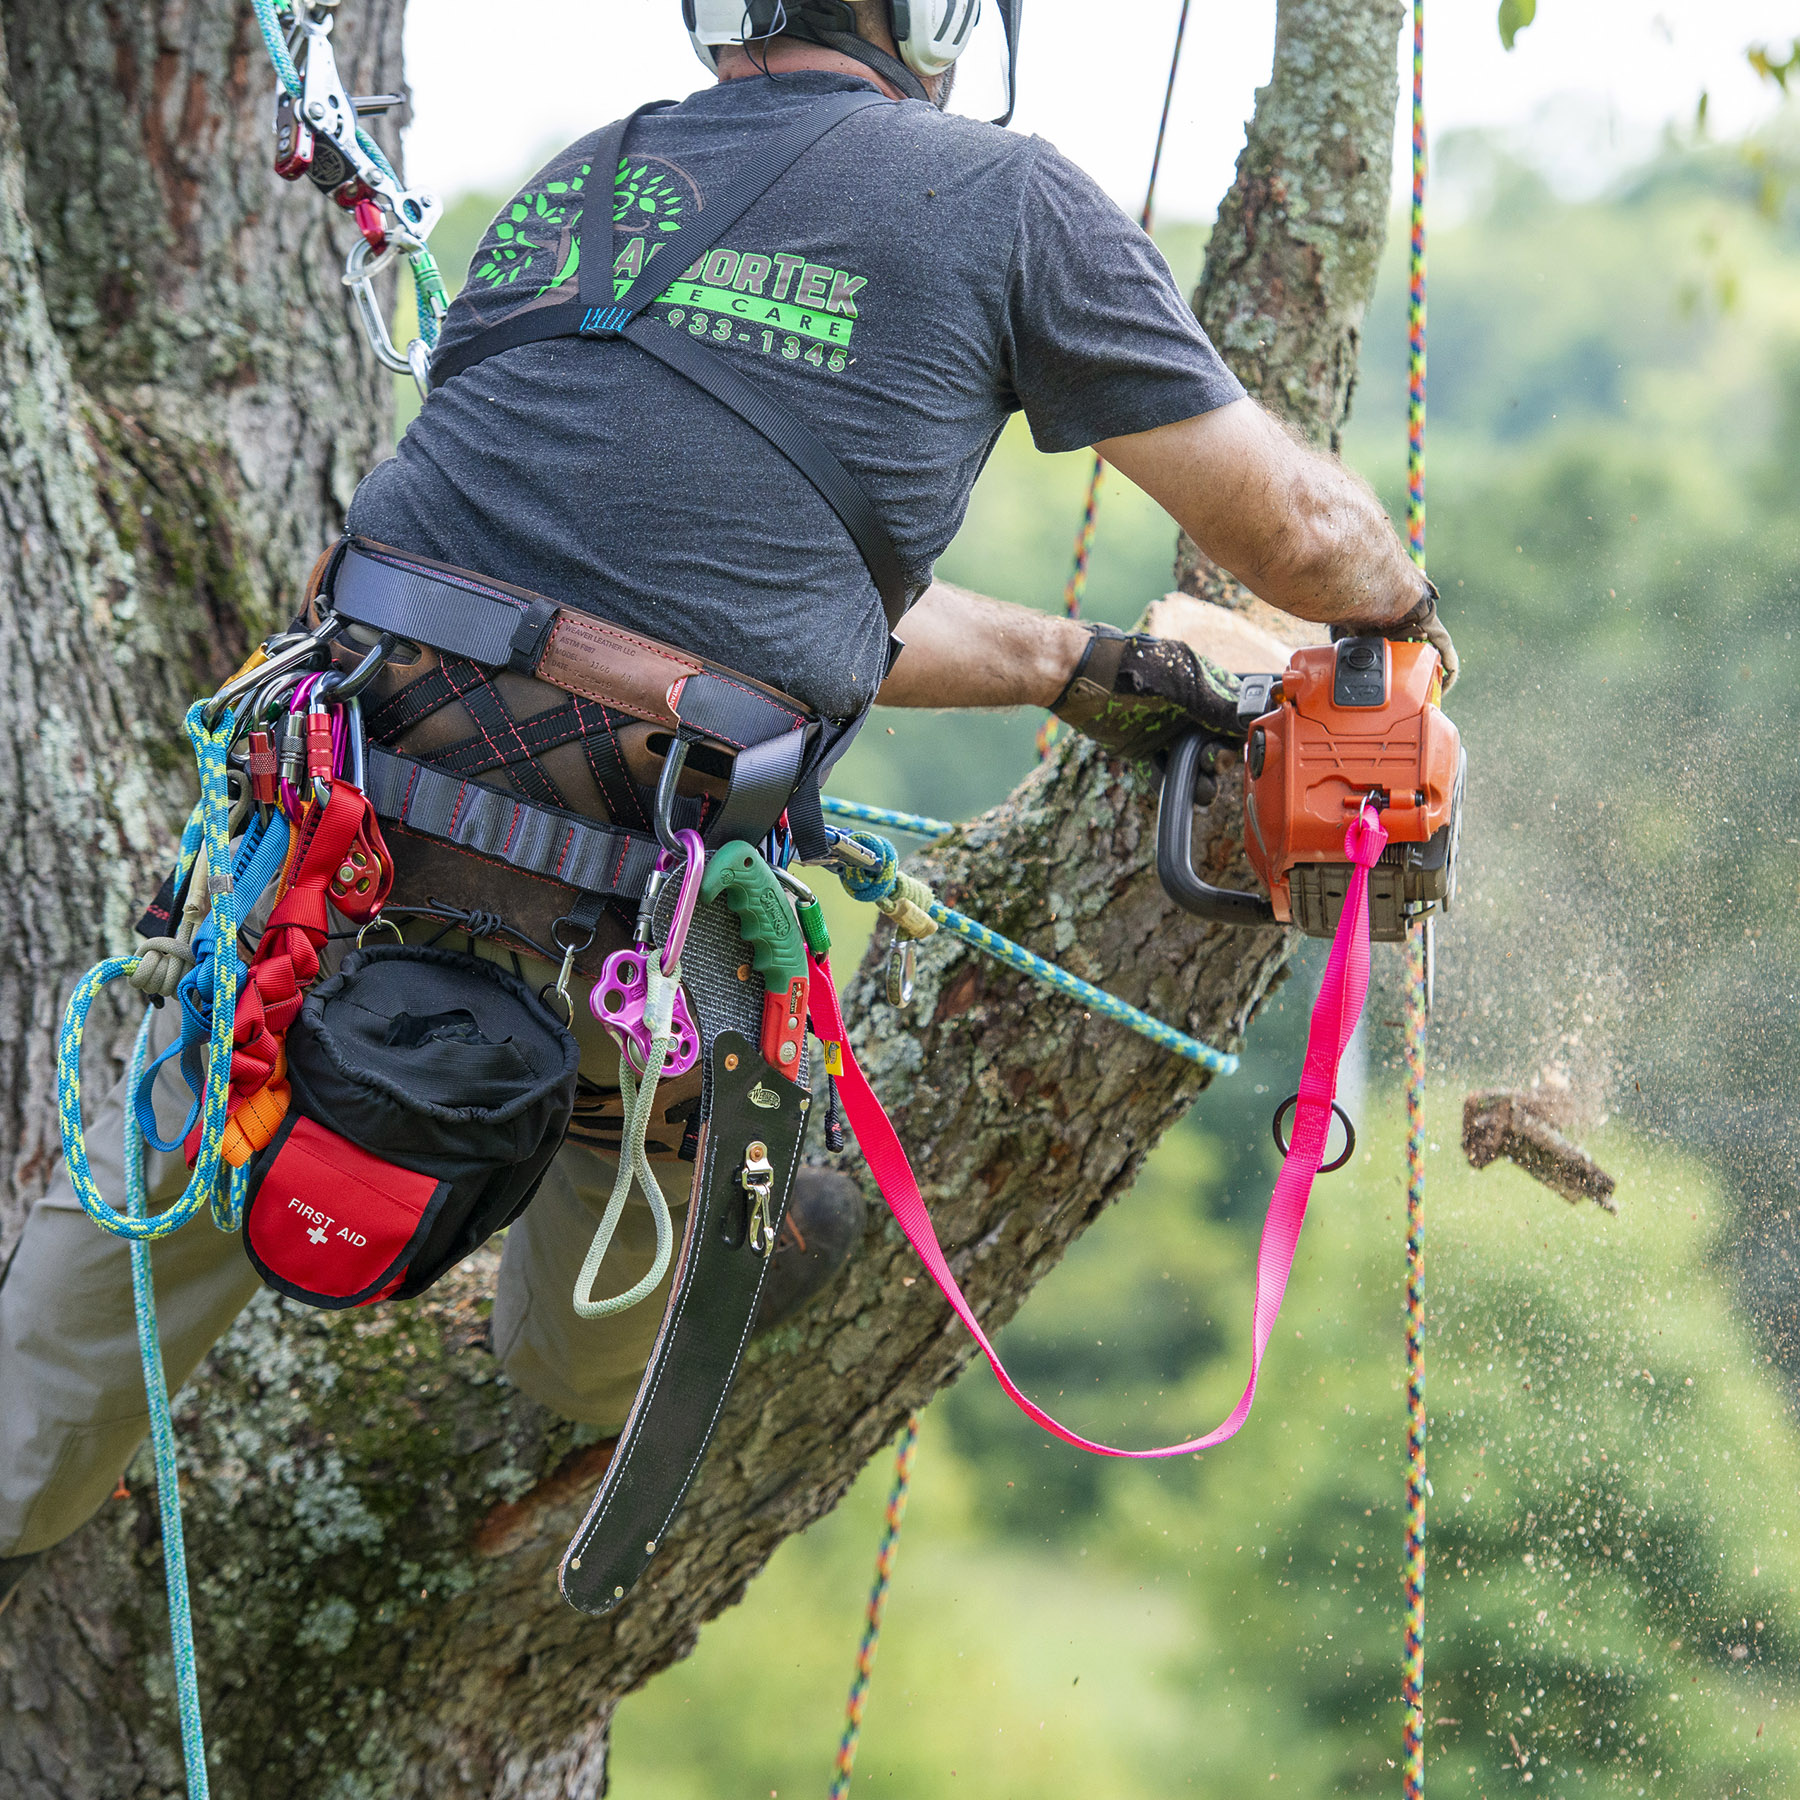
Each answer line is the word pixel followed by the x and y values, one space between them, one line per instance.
pixel 1589 88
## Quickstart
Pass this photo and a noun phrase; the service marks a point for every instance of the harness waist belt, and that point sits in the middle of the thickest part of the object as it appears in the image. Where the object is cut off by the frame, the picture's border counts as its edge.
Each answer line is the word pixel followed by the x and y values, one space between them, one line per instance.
pixel 505 627
pixel 488 822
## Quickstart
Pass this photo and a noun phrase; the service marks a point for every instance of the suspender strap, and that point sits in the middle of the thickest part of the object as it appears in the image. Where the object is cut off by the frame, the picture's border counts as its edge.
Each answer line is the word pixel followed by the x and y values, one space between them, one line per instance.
pixel 595 314
pixel 490 823
pixel 708 225
pixel 797 441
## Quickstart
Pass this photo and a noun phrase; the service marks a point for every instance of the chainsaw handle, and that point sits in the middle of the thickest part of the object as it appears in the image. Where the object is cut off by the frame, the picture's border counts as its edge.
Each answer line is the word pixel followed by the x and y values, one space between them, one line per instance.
pixel 1175 847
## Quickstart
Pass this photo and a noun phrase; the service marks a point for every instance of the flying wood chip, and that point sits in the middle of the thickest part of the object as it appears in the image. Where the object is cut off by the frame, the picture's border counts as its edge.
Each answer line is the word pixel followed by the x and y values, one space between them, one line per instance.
pixel 1519 1126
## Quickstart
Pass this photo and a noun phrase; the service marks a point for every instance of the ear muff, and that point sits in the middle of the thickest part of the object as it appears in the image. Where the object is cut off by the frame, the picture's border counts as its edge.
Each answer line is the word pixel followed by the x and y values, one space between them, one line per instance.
pixel 932 34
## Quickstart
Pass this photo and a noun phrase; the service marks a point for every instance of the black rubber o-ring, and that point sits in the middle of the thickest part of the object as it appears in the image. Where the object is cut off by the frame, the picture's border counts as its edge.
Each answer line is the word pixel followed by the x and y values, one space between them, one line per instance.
pixel 1349 1133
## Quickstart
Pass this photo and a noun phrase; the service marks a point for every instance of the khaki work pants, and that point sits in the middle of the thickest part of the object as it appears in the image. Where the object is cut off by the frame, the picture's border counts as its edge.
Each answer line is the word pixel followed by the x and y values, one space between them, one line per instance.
pixel 72 1408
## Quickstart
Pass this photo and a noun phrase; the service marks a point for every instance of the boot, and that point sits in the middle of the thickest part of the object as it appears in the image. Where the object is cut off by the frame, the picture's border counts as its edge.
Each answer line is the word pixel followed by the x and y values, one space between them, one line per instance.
pixel 824 1222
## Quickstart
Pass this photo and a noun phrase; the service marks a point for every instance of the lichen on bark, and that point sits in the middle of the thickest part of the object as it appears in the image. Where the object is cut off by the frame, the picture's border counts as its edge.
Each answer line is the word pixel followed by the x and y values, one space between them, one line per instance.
pixel 374 1513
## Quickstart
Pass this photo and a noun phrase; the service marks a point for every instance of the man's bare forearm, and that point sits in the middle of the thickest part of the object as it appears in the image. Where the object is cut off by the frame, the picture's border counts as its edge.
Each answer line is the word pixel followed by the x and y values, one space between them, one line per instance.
pixel 1293 525
pixel 963 649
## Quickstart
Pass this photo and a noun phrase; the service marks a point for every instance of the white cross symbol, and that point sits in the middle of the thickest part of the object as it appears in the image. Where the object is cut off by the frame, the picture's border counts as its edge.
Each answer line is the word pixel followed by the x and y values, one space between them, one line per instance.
pixel 317 1234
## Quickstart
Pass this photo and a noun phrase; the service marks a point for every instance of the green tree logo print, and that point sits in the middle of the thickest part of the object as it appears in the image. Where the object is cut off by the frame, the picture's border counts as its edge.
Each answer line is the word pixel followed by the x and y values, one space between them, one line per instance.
pixel 646 199
pixel 529 232
pixel 535 237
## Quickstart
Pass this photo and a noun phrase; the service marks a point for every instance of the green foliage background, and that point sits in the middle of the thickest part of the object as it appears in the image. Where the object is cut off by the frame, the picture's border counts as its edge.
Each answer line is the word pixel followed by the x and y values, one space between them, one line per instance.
pixel 1615 522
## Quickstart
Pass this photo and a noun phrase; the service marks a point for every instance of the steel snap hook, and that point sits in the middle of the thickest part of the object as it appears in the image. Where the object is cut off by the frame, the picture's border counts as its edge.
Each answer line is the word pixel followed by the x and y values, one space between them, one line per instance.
pixel 674 761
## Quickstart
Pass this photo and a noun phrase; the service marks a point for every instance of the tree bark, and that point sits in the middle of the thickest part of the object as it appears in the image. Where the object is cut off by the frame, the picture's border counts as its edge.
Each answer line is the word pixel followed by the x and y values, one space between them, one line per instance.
pixel 374 1514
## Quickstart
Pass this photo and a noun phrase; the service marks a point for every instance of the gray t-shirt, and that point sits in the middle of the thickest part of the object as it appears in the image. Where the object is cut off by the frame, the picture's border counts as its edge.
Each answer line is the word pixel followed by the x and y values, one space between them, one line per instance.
pixel 910 282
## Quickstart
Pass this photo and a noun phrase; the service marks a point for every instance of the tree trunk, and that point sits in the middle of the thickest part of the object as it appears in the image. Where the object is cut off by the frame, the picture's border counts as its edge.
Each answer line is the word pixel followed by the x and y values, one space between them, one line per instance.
pixel 374 1515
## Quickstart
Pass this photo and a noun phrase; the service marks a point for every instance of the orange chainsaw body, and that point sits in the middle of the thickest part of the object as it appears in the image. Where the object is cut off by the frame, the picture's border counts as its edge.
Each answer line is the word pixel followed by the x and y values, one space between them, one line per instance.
pixel 1353 722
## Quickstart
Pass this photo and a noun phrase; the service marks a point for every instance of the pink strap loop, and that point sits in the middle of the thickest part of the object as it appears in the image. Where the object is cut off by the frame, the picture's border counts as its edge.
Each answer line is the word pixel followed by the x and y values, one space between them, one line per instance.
pixel 1334 1017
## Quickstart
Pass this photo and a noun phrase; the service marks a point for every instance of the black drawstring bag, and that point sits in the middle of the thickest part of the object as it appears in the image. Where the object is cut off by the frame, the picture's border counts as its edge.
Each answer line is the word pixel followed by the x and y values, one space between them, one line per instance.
pixel 430 1091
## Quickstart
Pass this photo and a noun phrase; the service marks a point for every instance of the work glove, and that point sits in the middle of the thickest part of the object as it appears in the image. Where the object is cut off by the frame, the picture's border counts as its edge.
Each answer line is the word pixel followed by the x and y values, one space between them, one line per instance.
pixel 1137 695
pixel 1421 625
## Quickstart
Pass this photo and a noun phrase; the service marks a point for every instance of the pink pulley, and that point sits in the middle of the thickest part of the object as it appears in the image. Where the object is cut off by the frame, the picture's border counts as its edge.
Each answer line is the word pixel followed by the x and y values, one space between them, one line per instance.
pixel 619 1000
pixel 621 997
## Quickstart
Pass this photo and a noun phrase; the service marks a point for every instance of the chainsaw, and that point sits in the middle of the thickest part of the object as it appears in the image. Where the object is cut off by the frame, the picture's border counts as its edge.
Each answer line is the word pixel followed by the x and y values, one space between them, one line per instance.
pixel 1348 725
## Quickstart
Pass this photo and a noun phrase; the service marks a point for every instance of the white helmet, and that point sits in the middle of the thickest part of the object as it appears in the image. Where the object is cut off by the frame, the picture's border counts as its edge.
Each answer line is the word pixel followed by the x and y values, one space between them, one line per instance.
pixel 931 34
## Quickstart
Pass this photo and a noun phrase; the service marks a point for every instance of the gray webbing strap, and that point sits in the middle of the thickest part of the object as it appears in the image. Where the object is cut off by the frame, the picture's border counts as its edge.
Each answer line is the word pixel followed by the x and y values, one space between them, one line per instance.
pixel 488 822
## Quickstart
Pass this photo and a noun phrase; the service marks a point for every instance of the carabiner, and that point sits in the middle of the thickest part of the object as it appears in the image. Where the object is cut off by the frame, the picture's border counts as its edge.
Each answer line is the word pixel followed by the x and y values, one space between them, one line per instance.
pixel 278 664
pixel 674 761
pixel 695 848
pixel 337 688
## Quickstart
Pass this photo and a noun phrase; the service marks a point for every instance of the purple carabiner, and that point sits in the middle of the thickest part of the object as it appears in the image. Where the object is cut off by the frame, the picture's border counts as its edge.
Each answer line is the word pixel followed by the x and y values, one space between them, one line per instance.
pixel 622 994
pixel 695 847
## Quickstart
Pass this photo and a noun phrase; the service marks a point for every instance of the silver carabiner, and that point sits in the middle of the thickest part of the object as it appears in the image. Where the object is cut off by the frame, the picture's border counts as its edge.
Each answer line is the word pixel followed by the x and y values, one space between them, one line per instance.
pixel 290 658
pixel 359 278
pixel 902 970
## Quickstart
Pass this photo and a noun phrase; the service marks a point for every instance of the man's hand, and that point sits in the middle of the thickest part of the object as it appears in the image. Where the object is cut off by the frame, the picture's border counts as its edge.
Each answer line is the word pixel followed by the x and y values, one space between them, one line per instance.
pixel 1421 626
pixel 1138 694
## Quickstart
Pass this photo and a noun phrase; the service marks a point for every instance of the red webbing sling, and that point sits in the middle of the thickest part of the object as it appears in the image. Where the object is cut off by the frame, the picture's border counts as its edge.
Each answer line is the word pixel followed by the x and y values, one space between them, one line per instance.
pixel 1334 1018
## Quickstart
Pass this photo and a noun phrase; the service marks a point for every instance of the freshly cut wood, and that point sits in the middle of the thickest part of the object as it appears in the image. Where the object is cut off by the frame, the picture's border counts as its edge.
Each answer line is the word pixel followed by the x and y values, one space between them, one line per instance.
pixel 1523 1127
pixel 1251 642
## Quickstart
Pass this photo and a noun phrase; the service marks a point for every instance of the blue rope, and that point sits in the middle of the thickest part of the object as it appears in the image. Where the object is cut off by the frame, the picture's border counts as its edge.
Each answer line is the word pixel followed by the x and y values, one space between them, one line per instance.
pixel 203 1186
pixel 162 1440
pixel 916 823
pixel 877 885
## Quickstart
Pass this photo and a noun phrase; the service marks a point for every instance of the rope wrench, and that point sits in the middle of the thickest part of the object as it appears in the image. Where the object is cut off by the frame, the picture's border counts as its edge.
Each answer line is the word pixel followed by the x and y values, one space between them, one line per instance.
pixel 319 135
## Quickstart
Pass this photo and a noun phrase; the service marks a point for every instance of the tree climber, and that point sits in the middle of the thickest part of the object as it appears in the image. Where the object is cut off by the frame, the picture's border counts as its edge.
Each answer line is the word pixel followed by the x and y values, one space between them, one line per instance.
pixel 910 281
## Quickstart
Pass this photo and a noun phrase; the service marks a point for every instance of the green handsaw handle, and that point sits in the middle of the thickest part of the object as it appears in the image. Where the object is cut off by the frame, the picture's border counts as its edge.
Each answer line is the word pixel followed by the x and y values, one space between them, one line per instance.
pixel 765 919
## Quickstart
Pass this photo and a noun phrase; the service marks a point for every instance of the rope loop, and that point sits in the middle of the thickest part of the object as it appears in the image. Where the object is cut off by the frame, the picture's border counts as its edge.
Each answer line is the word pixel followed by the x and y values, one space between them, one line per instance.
pixel 210 746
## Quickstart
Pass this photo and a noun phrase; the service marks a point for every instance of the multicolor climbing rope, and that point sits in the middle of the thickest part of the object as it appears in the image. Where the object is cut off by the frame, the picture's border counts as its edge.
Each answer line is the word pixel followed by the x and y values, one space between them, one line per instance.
pixel 871 1637
pixel 1412 1691
pixel 878 884
pixel 210 745
pixel 1413 1562
pixel 1076 590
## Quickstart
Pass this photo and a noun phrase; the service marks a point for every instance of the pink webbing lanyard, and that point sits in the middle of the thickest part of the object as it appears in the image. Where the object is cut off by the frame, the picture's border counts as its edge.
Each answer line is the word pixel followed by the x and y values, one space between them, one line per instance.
pixel 1334 1018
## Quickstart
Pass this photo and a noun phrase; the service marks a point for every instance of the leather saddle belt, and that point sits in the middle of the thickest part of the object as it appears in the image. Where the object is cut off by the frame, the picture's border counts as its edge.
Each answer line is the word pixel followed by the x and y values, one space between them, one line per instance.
pixel 775 743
